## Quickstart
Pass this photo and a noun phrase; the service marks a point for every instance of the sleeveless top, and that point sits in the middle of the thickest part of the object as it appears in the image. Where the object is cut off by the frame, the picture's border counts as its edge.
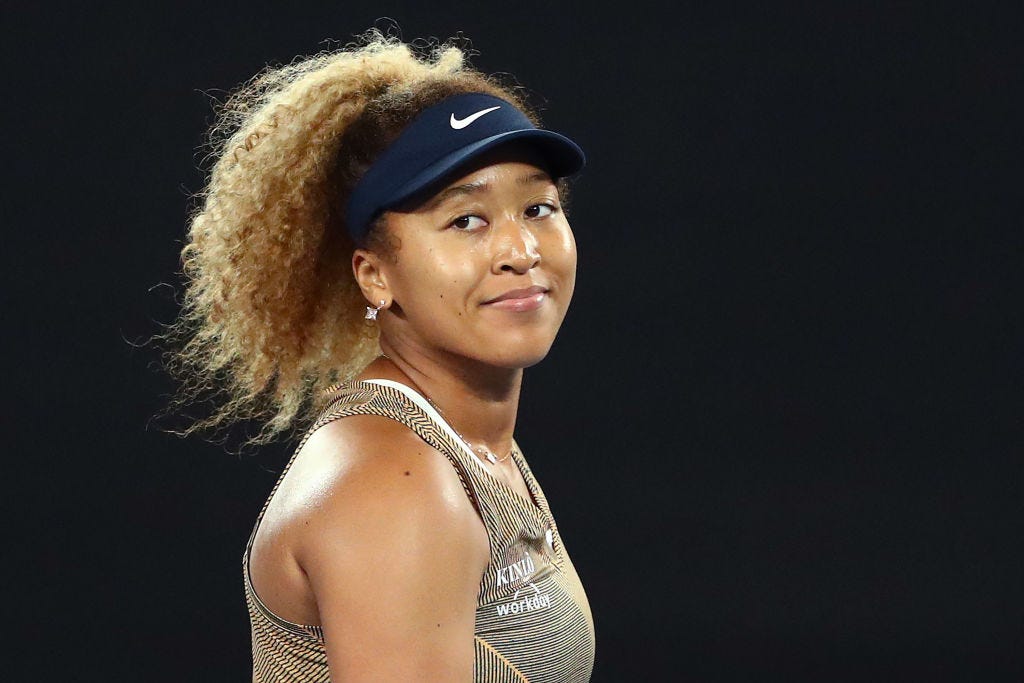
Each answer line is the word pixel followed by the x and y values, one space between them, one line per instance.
pixel 533 621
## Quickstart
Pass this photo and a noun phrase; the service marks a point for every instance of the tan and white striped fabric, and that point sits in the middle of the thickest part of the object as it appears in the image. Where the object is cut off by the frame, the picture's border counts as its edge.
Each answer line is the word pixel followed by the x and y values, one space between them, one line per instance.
pixel 533 621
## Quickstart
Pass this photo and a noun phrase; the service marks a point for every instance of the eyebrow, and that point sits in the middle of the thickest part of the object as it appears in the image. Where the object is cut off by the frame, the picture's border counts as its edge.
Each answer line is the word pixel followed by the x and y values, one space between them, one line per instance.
pixel 482 186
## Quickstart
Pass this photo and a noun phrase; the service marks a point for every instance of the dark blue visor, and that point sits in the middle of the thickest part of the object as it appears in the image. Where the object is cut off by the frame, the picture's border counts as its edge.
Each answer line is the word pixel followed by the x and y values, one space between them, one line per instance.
pixel 443 138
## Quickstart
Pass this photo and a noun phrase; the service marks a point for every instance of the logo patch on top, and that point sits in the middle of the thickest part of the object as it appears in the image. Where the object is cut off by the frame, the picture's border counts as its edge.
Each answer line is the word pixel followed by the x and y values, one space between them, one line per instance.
pixel 528 602
pixel 459 124
pixel 516 571
pixel 527 597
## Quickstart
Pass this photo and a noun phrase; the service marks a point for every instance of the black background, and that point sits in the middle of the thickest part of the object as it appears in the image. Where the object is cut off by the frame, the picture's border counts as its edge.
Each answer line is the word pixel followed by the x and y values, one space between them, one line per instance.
pixel 780 429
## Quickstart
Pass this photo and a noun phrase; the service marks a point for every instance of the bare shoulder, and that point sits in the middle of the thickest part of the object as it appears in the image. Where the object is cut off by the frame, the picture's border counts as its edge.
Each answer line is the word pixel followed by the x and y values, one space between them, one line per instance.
pixel 361 472
pixel 363 490
pixel 392 549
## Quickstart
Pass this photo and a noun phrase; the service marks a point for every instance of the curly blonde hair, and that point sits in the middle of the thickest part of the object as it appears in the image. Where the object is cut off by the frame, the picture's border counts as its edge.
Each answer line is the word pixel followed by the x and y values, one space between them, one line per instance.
pixel 272 314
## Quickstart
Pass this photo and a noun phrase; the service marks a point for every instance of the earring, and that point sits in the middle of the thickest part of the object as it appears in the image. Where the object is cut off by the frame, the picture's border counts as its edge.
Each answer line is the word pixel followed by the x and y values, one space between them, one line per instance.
pixel 371 312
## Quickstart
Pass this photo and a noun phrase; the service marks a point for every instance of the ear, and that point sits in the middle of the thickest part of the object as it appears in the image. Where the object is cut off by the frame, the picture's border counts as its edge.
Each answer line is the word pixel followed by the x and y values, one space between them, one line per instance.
pixel 367 267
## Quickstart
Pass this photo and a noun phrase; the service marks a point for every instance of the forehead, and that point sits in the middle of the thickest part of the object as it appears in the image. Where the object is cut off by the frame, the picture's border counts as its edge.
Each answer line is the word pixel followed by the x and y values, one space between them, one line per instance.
pixel 511 165
pixel 514 161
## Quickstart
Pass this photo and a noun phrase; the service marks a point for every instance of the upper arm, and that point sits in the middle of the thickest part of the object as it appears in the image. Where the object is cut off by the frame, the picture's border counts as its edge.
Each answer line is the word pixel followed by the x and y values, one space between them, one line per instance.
pixel 394 551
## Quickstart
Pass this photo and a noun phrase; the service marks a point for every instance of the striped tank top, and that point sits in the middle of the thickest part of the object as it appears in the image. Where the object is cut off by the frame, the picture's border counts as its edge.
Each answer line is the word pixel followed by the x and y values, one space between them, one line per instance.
pixel 533 621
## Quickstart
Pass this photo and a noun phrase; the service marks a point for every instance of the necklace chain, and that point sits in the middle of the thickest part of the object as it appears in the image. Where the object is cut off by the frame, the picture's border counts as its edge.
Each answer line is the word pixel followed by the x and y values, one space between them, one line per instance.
pixel 480 449
pixel 485 451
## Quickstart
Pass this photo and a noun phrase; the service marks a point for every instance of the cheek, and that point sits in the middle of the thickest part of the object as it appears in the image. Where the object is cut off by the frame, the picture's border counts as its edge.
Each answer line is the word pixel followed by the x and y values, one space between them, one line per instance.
pixel 452 273
pixel 563 255
pixel 436 279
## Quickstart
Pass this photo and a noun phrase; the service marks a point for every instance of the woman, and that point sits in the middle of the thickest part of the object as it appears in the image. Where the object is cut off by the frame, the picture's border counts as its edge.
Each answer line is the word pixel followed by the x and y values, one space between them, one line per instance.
pixel 408 541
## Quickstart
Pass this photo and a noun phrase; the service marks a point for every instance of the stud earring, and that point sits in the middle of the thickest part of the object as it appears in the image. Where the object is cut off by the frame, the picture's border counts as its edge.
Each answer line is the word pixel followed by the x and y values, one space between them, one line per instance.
pixel 371 311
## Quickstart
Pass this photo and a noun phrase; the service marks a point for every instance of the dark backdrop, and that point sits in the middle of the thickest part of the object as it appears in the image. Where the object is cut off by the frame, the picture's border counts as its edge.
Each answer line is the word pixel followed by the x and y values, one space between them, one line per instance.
pixel 781 427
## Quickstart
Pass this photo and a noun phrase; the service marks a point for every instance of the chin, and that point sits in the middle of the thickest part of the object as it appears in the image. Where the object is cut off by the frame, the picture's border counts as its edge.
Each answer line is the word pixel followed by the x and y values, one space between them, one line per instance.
pixel 517 356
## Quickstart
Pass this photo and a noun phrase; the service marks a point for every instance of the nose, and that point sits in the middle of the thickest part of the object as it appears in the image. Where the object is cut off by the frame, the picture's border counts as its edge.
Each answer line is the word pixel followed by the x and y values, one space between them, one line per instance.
pixel 517 248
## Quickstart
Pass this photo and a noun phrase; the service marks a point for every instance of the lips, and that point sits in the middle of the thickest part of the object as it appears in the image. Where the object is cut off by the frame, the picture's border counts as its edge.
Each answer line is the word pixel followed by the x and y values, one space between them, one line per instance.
pixel 523 299
pixel 524 293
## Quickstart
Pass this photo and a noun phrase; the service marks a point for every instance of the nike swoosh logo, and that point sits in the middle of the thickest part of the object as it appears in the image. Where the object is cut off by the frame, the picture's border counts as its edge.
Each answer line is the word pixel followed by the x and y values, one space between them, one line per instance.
pixel 459 124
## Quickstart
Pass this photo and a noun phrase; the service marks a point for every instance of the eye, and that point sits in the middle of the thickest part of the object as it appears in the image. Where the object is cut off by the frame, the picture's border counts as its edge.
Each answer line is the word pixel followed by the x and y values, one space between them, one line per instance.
pixel 540 211
pixel 468 223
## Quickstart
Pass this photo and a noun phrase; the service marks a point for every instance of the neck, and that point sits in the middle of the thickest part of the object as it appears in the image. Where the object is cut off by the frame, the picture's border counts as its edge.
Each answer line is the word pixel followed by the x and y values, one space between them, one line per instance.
pixel 479 401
